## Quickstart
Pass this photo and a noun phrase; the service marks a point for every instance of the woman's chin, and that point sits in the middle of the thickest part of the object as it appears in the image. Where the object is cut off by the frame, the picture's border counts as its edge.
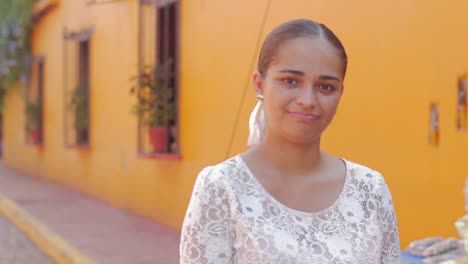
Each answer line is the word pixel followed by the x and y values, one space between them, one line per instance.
pixel 304 138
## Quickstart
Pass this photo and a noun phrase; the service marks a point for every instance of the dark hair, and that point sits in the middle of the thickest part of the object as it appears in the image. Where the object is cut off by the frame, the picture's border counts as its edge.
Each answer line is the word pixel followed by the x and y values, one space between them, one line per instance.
pixel 295 29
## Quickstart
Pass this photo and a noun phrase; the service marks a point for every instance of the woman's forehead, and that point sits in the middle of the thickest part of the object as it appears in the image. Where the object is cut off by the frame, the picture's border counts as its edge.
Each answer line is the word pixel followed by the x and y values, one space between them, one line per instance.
pixel 308 55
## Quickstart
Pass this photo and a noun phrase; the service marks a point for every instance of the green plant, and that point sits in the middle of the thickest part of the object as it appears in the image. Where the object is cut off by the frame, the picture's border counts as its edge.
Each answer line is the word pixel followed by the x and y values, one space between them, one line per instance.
pixel 33 114
pixel 155 95
pixel 79 104
pixel 15 30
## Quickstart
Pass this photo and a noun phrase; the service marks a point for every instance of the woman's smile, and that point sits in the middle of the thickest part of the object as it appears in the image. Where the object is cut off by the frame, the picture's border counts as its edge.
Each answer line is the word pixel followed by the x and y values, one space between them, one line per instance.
pixel 304 115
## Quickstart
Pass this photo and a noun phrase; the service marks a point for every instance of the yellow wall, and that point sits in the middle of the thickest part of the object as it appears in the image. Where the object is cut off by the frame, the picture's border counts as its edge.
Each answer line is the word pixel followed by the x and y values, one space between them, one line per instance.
pixel 403 55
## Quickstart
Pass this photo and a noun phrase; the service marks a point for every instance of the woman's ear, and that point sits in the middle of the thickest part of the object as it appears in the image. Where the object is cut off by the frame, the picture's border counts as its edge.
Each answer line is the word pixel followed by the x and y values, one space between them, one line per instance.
pixel 258 83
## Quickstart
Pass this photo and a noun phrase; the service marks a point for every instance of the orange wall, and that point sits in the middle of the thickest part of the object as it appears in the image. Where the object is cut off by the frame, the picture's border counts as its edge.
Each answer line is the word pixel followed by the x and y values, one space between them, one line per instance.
pixel 403 54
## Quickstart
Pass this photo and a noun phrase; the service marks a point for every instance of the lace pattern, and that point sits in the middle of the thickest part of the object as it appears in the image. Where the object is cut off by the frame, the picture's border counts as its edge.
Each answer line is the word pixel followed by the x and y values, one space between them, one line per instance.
pixel 232 219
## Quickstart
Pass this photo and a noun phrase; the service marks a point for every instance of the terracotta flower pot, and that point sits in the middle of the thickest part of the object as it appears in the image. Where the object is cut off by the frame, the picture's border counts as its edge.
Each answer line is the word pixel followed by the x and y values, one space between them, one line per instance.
pixel 35 135
pixel 158 138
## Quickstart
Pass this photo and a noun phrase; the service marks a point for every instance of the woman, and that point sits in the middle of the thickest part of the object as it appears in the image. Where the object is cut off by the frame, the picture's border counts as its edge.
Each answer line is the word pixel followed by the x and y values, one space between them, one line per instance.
pixel 284 200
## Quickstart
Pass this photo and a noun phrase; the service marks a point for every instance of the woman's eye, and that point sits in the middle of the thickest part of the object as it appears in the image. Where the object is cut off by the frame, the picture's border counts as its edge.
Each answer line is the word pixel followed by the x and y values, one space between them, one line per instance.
pixel 290 81
pixel 327 88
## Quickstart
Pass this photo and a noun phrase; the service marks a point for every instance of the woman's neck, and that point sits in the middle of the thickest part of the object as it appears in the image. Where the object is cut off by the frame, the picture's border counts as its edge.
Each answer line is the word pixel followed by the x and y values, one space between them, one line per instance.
pixel 291 158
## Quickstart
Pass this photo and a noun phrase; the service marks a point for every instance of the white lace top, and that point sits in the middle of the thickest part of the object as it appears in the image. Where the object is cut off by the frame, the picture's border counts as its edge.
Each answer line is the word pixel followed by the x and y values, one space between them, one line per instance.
pixel 231 218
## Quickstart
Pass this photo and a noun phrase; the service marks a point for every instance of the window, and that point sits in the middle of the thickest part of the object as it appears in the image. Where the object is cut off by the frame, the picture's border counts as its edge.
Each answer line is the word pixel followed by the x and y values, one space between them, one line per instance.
pixel 158 78
pixel 462 108
pixel 81 99
pixel 34 103
pixel 434 130
pixel 77 88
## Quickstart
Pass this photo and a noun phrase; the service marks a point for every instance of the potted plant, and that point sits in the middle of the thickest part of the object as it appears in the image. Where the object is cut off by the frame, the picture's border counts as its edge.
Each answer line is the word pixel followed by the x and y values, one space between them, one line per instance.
pixel 155 106
pixel 79 104
pixel 34 119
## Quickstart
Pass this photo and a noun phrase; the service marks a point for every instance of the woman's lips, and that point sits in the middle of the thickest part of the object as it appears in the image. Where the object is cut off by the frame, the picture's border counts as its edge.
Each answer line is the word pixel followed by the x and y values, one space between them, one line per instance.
pixel 305 116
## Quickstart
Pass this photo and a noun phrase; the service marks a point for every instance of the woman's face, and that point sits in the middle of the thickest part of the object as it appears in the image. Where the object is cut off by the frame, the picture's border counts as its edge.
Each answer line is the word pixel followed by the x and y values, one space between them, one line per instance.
pixel 302 88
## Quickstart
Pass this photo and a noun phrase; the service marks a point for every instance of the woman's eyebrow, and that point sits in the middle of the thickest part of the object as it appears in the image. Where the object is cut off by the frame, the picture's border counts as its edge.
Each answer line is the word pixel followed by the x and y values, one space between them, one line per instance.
pixel 328 78
pixel 293 72
pixel 301 73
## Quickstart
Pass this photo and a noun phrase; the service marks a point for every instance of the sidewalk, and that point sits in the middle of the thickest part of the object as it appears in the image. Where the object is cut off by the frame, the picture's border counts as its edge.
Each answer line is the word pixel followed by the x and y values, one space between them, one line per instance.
pixel 15 247
pixel 104 234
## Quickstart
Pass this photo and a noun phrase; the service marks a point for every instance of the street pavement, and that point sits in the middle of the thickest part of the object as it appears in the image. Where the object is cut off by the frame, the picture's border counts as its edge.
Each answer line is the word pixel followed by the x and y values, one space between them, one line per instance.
pixel 16 248
pixel 103 233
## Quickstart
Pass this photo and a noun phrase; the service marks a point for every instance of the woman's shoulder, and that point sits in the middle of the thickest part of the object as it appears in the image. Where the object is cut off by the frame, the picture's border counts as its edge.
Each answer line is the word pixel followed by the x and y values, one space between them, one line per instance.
pixel 229 165
pixel 367 180
pixel 363 173
pixel 221 172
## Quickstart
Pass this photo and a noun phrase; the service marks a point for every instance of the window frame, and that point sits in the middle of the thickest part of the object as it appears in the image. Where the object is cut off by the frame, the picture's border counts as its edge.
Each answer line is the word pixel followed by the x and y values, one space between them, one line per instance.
pixel 77 39
pixel 36 87
pixel 161 45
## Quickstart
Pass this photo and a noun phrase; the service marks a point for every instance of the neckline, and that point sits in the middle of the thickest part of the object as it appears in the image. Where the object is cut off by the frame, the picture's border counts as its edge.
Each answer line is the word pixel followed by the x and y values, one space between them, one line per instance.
pixel 289 209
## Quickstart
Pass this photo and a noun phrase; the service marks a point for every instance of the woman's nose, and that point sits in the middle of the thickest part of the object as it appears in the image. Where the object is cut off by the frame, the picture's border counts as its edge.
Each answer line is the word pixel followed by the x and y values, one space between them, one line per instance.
pixel 307 97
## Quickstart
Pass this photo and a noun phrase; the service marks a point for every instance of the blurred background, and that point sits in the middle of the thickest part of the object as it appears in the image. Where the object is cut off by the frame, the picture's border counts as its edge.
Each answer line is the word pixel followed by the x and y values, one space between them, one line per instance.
pixel 125 101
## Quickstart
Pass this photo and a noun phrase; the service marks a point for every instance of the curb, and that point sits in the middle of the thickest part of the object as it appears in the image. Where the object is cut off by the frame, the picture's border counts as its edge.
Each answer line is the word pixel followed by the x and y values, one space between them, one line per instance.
pixel 51 244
